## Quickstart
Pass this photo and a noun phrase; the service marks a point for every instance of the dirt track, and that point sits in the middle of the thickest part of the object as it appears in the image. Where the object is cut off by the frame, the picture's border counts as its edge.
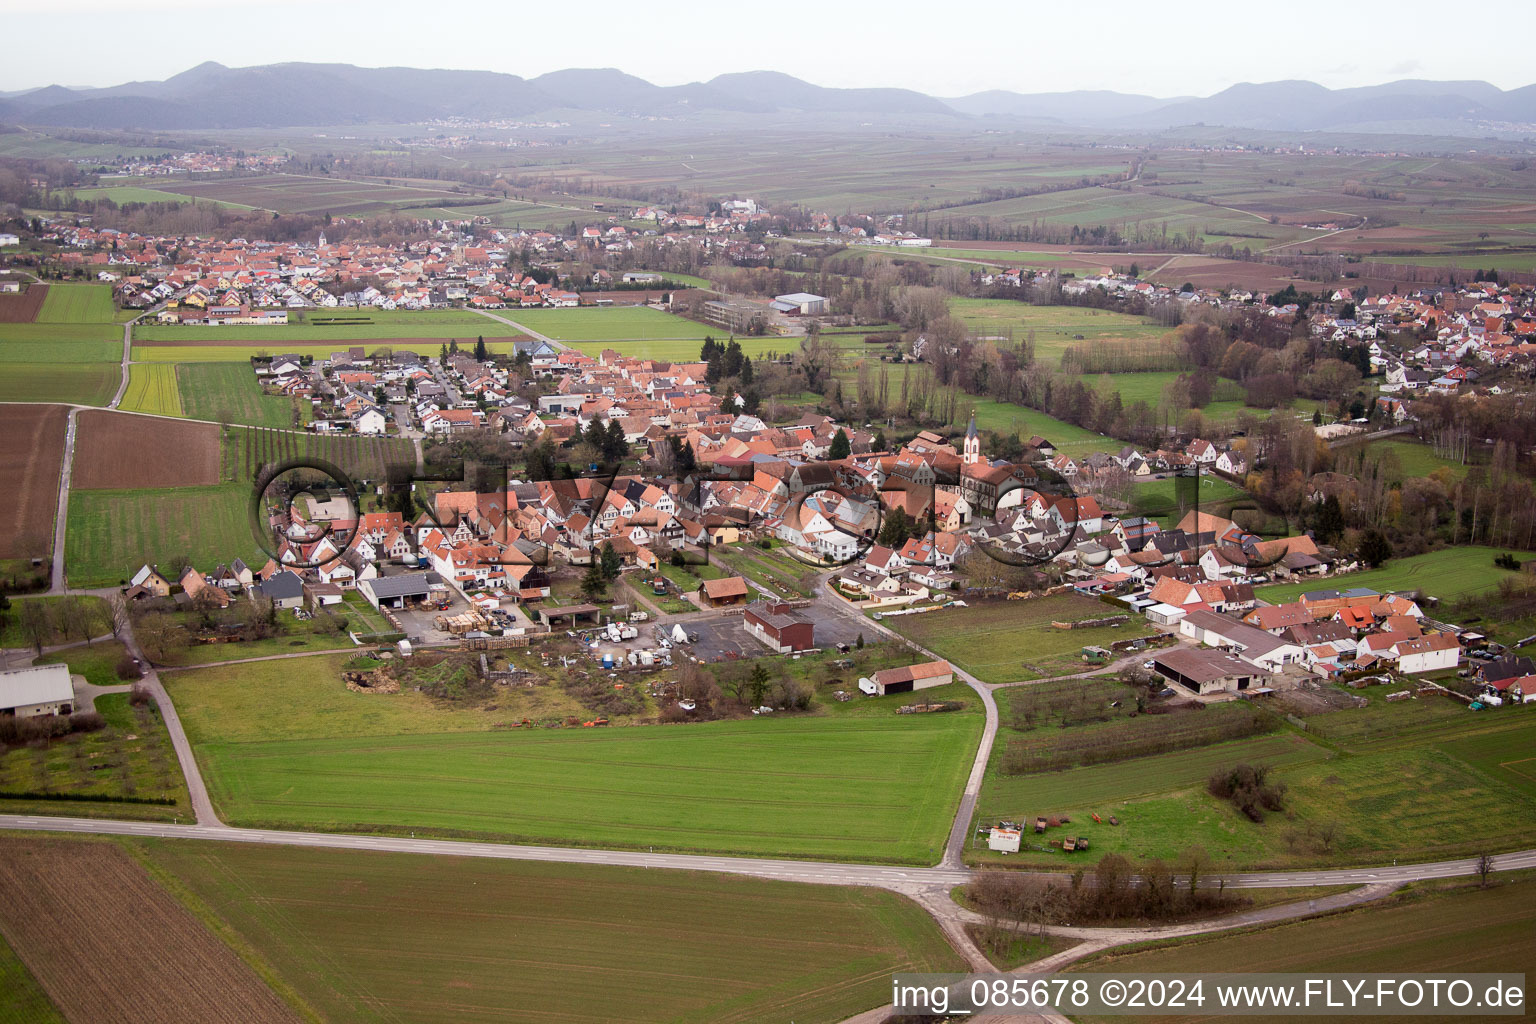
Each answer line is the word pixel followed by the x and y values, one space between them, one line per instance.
pixel 118 450
pixel 29 464
pixel 108 944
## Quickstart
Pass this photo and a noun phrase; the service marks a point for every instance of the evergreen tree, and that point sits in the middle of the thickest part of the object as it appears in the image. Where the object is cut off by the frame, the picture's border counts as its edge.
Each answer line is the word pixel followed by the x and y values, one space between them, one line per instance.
pixel 746 371
pixel 730 360
pixel 615 445
pixel 609 561
pixel 728 401
pixel 592 581
pixel 880 445
pixel 895 528
pixel 687 462
pixel 453 346
pixel 751 403
pixel 442 354
pixel 758 682
pixel 1375 548
pixel 840 448
pixel 480 353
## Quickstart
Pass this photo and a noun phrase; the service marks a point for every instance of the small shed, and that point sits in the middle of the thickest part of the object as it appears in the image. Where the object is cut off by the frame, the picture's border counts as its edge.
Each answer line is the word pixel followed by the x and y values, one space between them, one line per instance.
pixel 1004 840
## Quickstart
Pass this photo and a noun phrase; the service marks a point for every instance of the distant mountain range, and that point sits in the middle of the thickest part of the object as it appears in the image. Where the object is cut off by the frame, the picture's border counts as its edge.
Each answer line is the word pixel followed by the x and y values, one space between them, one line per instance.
pixel 288 95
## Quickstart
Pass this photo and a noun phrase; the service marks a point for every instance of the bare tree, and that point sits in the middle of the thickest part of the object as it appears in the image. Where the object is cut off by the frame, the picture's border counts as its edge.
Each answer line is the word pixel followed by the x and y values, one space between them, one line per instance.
pixel 115 617
pixel 1484 868
pixel 36 624
pixel 1327 832
pixel 72 617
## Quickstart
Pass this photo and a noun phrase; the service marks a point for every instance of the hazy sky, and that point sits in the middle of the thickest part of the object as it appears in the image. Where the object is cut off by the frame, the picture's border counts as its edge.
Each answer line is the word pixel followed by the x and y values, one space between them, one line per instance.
pixel 1191 48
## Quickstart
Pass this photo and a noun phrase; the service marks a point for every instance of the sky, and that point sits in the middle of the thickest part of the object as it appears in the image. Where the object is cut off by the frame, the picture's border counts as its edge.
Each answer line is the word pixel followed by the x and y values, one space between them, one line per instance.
pixel 1193 48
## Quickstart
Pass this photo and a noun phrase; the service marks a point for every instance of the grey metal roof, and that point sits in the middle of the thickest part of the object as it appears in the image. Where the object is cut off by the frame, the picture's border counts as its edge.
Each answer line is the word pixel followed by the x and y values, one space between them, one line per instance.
pixel 397 586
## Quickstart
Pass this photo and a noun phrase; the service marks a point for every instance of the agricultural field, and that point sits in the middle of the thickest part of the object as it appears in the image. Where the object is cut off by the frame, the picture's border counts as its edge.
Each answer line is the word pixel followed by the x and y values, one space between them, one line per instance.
pixel 29 464
pixel 1004 641
pixel 1055 327
pixel 297 193
pixel 538 926
pixel 152 388
pixel 77 304
pixel 229 393
pixel 333 327
pixel 1454 926
pixel 112 532
pixel 126 770
pixel 76 912
pixel 212 351
pixel 1503 754
pixel 22 307
pixel 21 998
pixel 121 194
pixel 248 449
pixel 616 323
pixel 119 450
pixel 768 787
pixel 1022 421
pixel 1447 574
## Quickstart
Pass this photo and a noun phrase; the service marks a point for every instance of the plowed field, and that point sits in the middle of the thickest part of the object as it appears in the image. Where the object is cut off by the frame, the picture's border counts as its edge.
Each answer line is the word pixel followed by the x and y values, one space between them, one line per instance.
pixel 115 450
pixel 108 944
pixel 22 307
pixel 29 465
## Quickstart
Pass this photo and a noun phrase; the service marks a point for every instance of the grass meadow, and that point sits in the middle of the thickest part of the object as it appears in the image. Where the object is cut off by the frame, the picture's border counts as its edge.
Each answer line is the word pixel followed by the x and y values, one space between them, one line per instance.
pixel 229 393
pixel 585 944
pixel 79 383
pixel 1005 641
pixel 613 323
pixel 111 533
pixel 785 786
pixel 1448 574
pixel 77 304
pixel 1448 926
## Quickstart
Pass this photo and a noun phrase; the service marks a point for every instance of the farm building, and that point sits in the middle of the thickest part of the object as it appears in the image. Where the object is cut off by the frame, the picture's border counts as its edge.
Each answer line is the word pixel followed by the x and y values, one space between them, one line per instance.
pixel 148 583
pixel 1428 653
pixel 776 624
pixel 1164 614
pixel 39 690
pixel 800 304
pixel 727 590
pixel 1207 671
pixel 1253 645
pixel 397 591
pixel 908 678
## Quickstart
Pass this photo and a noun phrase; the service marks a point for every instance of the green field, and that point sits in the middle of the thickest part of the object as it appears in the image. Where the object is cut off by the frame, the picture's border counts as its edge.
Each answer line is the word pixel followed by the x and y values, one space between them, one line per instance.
pixel 1004 641
pixel 785 786
pixel 1171 497
pixel 97 661
pixel 336 325
pixel 1413 459
pixel 229 393
pixel 111 533
pixel 614 323
pixel 11 634
pixel 79 383
pixel 684 351
pixel 1007 418
pixel 193 352
pixel 21 997
pixel 1447 574
pixel 1055 327
pixel 1450 929
pixel 152 388
pixel 77 304
pixel 1505 755
pixel 60 343
pixel 581 944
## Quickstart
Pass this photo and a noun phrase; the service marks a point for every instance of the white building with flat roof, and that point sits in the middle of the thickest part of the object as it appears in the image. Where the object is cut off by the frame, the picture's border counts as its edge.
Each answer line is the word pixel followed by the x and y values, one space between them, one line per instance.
pixel 39 690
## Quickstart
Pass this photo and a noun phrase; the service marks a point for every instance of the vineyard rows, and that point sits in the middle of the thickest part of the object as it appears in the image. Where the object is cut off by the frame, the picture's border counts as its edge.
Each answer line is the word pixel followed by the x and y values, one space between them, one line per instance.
pixel 361 458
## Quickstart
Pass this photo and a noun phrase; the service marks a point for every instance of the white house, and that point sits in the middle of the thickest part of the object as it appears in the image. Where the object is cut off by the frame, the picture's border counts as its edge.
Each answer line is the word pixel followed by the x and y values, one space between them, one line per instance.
pixel 369 420
pixel 1428 653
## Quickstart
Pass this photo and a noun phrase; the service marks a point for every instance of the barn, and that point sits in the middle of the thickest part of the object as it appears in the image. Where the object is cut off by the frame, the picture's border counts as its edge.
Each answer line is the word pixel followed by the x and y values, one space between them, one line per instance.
pixel 908 678
pixel 777 624
pixel 727 590
pixel 39 690
pixel 1208 671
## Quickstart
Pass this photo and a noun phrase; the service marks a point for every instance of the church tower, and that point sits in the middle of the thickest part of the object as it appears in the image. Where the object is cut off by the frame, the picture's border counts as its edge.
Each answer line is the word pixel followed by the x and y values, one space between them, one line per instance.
pixel 972 442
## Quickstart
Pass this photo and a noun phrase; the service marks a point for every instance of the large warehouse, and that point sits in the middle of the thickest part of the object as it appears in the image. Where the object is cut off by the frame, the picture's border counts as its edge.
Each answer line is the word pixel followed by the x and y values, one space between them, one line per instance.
pixel 39 690
pixel 1208 671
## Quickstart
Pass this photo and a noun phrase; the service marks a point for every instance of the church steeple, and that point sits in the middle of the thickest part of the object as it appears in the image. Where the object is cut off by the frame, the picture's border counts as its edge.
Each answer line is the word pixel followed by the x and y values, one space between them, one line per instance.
pixel 972 442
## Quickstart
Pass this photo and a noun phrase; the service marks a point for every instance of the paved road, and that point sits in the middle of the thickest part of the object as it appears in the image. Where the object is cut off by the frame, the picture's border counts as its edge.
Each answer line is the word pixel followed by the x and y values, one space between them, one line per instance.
pixel 122 385
pixel 526 330
pixel 61 516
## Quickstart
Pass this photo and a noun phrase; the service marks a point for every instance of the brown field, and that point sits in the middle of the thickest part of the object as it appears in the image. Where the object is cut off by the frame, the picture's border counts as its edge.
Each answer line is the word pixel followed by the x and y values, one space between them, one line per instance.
pixel 106 943
pixel 22 308
pixel 115 450
pixel 1214 272
pixel 29 465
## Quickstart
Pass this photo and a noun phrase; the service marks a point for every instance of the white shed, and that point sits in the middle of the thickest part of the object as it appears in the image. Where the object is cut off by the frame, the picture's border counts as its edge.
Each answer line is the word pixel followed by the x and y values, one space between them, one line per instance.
pixel 1004 840
pixel 39 690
